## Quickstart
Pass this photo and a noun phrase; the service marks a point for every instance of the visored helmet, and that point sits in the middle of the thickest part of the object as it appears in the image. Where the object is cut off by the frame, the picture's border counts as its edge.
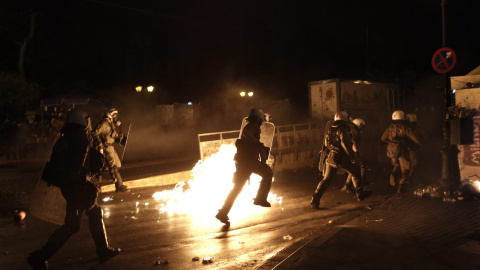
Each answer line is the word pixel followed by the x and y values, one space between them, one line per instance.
pixel 112 114
pixel 257 113
pixel 268 117
pixel 398 115
pixel 77 116
pixel 341 116
pixel 359 122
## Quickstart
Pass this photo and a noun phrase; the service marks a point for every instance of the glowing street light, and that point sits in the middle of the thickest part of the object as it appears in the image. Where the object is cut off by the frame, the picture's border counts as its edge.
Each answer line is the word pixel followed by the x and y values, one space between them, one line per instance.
pixel 140 88
pixel 244 94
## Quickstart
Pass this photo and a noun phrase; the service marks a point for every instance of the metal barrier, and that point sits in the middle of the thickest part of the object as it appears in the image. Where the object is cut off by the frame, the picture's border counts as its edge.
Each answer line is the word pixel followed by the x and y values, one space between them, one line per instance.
pixel 303 141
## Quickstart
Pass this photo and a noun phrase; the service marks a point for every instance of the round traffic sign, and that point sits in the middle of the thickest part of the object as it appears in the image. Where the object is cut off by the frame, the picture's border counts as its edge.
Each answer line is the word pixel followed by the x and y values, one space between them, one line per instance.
pixel 443 60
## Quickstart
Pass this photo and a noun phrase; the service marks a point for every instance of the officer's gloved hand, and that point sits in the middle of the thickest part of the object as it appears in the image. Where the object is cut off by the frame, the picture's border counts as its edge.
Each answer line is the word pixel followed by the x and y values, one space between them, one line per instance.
pixel 123 140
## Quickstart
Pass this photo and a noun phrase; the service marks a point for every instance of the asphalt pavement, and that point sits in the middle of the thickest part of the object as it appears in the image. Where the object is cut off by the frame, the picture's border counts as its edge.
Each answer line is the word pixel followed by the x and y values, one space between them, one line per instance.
pixel 403 232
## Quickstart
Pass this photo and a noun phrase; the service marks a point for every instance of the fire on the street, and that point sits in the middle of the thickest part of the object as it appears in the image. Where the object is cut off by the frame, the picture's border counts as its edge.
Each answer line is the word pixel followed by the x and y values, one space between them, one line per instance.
pixel 203 195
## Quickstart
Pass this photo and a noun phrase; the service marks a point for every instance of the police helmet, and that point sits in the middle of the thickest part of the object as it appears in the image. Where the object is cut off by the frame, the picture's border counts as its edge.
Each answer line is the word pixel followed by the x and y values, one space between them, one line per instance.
pixel 341 116
pixel 359 122
pixel 111 113
pixel 77 116
pixel 398 115
pixel 257 113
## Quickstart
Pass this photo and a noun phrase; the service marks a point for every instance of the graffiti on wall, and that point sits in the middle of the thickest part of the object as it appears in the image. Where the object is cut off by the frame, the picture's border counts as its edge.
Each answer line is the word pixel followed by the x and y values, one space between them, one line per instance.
pixel 471 155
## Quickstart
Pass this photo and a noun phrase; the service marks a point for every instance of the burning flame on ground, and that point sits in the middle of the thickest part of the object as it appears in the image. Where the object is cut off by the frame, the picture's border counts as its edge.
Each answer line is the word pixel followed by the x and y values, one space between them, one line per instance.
pixel 212 181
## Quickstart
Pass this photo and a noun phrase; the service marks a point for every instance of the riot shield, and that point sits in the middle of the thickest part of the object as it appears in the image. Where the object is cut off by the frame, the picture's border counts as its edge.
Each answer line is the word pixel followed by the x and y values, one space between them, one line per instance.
pixel 267 131
pixel 47 203
pixel 244 123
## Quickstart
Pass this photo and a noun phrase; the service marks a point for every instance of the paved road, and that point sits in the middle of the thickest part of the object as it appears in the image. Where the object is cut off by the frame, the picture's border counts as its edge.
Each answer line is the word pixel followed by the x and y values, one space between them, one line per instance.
pixel 147 231
pixel 384 231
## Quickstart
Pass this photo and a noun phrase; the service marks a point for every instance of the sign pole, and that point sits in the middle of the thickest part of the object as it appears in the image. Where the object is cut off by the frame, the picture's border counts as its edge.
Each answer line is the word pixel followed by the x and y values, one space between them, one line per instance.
pixel 450 168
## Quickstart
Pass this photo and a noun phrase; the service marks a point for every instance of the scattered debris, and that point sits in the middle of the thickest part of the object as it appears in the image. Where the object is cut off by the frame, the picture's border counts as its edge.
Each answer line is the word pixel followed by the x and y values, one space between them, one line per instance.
pixel 160 261
pixel 133 217
pixel 19 217
pixel 429 192
pixel 207 260
pixel 330 221
pixel 374 220
pixel 106 199
pixel 287 237
pixel 468 189
pixel 449 199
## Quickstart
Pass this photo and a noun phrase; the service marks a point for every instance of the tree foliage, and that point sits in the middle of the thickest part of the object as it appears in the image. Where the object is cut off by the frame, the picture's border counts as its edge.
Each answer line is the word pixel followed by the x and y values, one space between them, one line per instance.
pixel 17 96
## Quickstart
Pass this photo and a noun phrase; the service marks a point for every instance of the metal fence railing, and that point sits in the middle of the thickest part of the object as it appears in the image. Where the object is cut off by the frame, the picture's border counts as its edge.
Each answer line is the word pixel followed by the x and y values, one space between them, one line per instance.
pixel 287 139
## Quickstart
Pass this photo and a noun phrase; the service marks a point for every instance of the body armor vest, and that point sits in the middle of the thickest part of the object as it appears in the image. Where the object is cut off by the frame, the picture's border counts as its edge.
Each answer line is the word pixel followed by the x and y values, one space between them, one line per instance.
pixel 396 133
pixel 333 137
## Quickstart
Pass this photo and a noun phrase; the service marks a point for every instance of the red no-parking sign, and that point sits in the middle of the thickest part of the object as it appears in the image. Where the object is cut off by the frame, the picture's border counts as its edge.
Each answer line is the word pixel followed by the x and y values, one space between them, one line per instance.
pixel 443 60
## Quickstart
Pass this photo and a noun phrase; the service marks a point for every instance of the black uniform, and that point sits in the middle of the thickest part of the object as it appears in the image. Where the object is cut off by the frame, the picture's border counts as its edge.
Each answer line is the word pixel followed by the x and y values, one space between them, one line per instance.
pixel 249 148
pixel 69 157
pixel 339 141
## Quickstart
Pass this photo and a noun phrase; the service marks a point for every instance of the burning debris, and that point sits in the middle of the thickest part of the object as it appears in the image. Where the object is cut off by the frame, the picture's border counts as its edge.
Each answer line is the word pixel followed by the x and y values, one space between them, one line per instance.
pixel 207 260
pixel 19 217
pixel 205 192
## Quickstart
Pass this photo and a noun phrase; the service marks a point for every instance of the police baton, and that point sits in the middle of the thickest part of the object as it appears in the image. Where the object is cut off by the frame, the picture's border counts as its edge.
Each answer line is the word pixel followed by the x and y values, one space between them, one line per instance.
pixel 125 146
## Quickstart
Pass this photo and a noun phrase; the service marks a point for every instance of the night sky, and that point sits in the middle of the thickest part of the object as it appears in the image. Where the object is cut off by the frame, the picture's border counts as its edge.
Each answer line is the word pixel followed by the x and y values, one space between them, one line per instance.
pixel 190 50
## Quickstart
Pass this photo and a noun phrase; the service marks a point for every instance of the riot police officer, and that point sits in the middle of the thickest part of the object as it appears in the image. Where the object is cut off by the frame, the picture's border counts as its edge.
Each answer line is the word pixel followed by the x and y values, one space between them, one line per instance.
pixel 356 130
pixel 338 140
pixel 71 164
pixel 249 148
pixel 398 136
pixel 104 137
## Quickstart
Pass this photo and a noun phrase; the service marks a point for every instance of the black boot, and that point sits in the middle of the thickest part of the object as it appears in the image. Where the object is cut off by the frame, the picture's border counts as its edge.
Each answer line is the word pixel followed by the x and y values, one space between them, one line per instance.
pixel 119 186
pixel 315 202
pixel 362 194
pixel 223 217
pixel 261 202
pixel 104 254
pixel 97 229
pixel 262 193
pixel 403 182
pixel 36 261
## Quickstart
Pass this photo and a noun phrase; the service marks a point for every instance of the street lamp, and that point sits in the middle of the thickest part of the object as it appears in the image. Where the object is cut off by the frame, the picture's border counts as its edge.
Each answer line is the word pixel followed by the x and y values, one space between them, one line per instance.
pixel 140 88
pixel 249 94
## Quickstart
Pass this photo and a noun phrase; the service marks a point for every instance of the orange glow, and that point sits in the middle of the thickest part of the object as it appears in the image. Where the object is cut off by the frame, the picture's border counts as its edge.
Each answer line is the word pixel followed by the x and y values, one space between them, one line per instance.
pixel 203 195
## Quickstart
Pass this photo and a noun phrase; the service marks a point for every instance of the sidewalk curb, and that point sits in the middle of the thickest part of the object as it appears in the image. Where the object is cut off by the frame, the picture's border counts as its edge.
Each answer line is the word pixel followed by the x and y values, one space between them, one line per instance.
pixel 158 180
